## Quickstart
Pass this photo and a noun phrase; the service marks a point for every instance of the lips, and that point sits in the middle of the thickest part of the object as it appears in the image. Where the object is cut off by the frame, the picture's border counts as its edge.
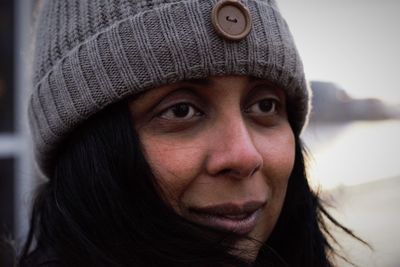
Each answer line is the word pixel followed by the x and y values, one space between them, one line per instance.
pixel 240 219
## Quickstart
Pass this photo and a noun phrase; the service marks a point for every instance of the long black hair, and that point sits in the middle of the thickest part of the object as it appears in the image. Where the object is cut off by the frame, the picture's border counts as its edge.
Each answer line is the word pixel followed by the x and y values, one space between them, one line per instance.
pixel 101 207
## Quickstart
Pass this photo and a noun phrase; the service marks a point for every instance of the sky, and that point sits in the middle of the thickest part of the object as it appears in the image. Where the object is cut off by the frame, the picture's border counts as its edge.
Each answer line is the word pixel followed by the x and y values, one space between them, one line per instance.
pixel 355 44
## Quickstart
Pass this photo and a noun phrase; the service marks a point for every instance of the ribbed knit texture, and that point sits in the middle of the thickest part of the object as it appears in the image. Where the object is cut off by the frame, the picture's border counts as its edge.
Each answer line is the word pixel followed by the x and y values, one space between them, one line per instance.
pixel 90 54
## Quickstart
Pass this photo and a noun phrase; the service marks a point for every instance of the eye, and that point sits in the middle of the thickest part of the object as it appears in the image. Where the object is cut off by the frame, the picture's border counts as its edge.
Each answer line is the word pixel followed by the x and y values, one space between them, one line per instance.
pixel 263 107
pixel 181 111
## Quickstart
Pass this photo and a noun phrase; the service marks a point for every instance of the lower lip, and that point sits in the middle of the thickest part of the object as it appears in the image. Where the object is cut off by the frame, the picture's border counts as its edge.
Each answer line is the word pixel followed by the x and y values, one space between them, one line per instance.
pixel 242 226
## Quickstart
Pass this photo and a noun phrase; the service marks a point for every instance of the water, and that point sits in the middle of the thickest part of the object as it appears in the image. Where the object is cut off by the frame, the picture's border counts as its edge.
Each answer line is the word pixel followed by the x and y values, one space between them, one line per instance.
pixel 353 153
pixel 363 158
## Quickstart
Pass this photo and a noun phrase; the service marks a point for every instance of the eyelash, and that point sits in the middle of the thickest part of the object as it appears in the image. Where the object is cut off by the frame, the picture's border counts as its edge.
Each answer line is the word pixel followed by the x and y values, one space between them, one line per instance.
pixel 190 109
pixel 273 109
pixel 193 111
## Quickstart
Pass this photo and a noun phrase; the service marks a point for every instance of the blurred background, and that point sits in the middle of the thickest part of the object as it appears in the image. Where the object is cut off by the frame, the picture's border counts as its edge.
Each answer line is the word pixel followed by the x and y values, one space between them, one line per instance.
pixel 351 56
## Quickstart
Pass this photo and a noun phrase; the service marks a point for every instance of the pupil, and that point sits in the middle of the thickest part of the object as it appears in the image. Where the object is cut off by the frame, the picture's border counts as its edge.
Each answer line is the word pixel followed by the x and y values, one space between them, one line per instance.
pixel 266 105
pixel 181 110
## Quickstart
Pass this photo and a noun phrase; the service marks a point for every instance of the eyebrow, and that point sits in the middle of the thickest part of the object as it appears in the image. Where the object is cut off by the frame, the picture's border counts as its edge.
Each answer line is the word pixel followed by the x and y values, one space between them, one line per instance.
pixel 199 82
pixel 208 82
pixel 256 79
pixel 203 82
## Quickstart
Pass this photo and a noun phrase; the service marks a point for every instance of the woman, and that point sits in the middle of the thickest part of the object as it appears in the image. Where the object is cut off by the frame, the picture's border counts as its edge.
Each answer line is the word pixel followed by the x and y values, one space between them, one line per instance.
pixel 168 132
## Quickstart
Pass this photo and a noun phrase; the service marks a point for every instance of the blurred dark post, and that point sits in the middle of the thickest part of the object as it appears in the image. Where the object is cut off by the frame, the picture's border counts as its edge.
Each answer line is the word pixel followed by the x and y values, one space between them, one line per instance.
pixel 6 209
pixel 7 128
pixel 6 66
pixel 16 177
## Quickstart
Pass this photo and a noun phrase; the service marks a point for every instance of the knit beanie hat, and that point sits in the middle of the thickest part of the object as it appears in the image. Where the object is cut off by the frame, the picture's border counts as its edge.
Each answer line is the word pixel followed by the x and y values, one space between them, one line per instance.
pixel 92 53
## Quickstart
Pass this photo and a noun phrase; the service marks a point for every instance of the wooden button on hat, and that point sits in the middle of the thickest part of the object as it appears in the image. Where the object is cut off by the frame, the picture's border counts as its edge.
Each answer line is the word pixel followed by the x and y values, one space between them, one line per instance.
pixel 231 19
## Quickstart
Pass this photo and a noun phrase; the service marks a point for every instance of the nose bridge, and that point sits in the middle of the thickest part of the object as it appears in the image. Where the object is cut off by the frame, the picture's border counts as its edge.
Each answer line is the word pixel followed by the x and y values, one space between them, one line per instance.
pixel 234 151
pixel 237 135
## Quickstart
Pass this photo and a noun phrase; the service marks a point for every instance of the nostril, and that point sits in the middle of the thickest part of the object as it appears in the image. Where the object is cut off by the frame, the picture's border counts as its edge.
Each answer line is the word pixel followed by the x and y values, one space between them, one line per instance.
pixel 239 173
pixel 226 172
pixel 256 169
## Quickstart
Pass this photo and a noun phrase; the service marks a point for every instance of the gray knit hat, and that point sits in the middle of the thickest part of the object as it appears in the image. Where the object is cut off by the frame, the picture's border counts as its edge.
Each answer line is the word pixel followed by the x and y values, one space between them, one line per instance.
pixel 92 53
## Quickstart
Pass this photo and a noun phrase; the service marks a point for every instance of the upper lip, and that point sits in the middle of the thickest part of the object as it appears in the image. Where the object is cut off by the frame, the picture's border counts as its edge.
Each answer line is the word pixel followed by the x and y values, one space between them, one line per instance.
pixel 229 209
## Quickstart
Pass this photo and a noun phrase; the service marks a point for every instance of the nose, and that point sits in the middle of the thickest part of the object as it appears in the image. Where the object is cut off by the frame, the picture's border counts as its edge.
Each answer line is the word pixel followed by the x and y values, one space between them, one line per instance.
pixel 233 152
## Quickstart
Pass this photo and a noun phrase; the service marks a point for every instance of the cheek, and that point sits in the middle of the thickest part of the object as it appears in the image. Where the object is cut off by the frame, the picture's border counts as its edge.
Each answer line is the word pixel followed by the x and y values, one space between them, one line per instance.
pixel 174 164
pixel 279 157
pixel 278 152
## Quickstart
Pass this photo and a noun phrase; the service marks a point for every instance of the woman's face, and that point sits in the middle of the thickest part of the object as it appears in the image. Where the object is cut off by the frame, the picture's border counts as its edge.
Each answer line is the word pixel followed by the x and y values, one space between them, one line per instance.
pixel 221 149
